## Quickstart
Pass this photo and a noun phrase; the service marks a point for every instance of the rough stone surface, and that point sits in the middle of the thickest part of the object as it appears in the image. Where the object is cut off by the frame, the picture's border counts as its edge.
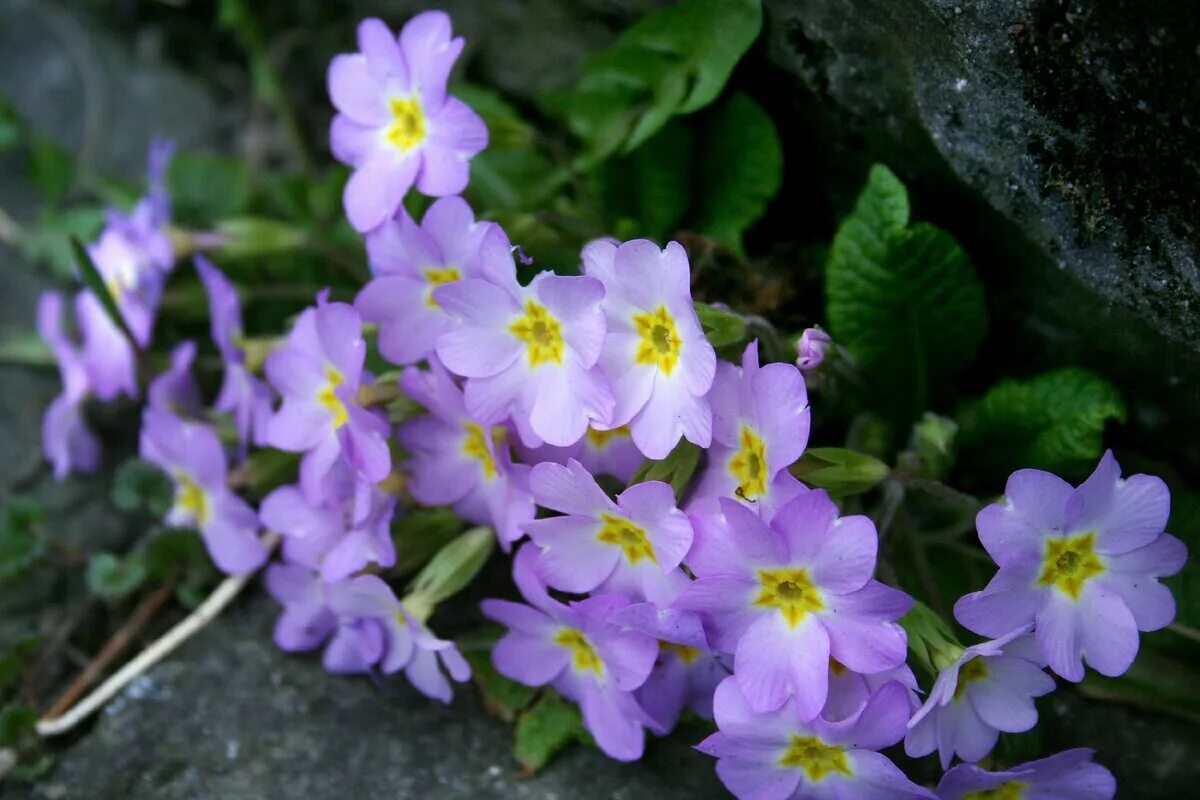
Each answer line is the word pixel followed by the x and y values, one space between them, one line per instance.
pixel 230 716
pixel 1058 139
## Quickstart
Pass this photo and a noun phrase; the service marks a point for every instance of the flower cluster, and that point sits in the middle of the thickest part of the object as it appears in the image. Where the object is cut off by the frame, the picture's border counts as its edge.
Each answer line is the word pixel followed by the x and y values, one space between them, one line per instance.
pixel 745 596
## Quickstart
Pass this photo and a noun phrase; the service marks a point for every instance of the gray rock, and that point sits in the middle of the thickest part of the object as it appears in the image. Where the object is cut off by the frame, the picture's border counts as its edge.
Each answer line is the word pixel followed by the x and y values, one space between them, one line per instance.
pixel 1058 139
pixel 231 716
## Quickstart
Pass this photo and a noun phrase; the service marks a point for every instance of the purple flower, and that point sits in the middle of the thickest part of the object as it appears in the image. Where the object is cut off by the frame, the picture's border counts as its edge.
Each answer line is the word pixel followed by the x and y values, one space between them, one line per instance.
pixel 377 629
pixel 307 620
pixel 108 358
pixel 1081 563
pixel 988 689
pixel 779 755
pixel 1069 774
pixel 760 426
pixel 460 461
pixel 67 442
pixel 336 538
pixel 586 658
pixel 191 454
pixel 656 354
pixel 530 352
pixel 244 396
pixel 176 390
pixel 848 690
pixel 631 547
pixel 787 597
pixel 318 373
pixel 683 677
pixel 811 348
pixel 395 125
pixel 411 261
pixel 608 452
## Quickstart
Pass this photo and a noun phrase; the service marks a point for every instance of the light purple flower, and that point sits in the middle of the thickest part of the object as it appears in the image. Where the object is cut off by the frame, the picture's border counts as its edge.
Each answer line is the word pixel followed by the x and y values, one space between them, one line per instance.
pixel 67 442
pixel 656 355
pixel 410 261
pixel 780 756
pixel 108 357
pixel 684 676
pixel 384 633
pixel 244 396
pixel 460 461
pixel 848 690
pixel 307 620
pixel 608 452
pixel 191 454
pixel 529 352
pixel 318 373
pixel 761 421
pixel 811 348
pixel 988 689
pixel 581 654
pixel 631 547
pixel 396 125
pixel 784 599
pixel 1067 775
pixel 176 390
pixel 1081 563
pixel 336 538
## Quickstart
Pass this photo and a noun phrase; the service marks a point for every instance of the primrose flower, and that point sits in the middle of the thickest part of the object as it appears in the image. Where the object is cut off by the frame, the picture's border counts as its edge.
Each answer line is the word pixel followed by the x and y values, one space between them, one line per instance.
pixel 530 352
pixel 460 461
pixel 576 650
pixel 244 396
pixel 1081 563
pixel 190 453
pixel 176 389
pixel 811 348
pixel 318 372
pixel 307 620
pixel 760 426
pixel 785 598
pixel 108 358
pixel 396 125
pixel 1069 774
pixel 848 689
pixel 779 755
pixel 410 261
pixel 631 547
pixel 67 442
pixel 656 354
pixel 609 452
pixel 683 677
pixel 387 635
pixel 338 539
pixel 988 689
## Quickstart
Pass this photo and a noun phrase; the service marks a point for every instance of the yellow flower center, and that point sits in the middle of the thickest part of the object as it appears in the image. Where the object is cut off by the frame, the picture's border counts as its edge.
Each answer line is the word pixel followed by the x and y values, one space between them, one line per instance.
pixel 791 591
pixel 1009 790
pixel 475 445
pixel 601 439
pixel 971 672
pixel 583 652
pixel 1069 563
pixel 440 277
pixel 629 537
pixel 749 465
pixel 408 124
pixel 836 667
pixel 192 498
pixel 660 339
pixel 816 758
pixel 328 398
pixel 541 333
pixel 686 654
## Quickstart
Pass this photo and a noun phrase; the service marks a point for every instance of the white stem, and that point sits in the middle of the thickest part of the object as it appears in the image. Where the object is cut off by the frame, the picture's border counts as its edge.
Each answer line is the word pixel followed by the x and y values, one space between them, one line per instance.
pixel 205 613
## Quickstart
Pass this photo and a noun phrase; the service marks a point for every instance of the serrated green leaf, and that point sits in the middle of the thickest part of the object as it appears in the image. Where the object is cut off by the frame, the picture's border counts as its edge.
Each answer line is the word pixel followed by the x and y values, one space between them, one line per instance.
pixel 903 300
pixel 647 192
pixel 743 170
pixel 546 728
pixel 111 577
pixel 139 485
pixel 94 281
pixel 1054 421
pixel 674 61
pixel 722 326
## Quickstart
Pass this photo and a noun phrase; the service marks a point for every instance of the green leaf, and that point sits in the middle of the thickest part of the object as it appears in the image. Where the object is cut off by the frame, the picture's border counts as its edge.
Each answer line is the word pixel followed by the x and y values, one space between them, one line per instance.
pixel 204 188
pixel 930 639
pixel 19 653
pixel 20 541
pixel 51 168
pixel 250 237
pixel 1185 523
pixel 1054 421
pixel 110 577
pixel 48 240
pixel 507 127
pixel 420 534
pixel 903 300
pixel 139 485
pixel 743 170
pixel 839 471
pixel 95 283
pixel 10 127
pixel 502 698
pixel 722 326
pixel 172 551
pixel 546 728
pixel 647 192
pixel 676 469
pixel 16 725
pixel 510 180
pixel 454 566
pixel 27 349
pixel 674 61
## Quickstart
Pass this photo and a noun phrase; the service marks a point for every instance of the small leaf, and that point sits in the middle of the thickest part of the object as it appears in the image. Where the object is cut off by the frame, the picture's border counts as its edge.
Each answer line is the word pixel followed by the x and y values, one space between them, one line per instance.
pixel 20 541
pixel 930 640
pixel 95 283
pixel 27 349
pixel 422 533
pixel 16 726
pixel 546 728
pixel 172 551
pixel 839 471
pixel 48 241
pixel 502 698
pixel 1054 421
pixel 676 469
pixel 454 566
pixel 139 485
pixel 110 577
pixel 250 237
pixel 743 170
pixel 722 326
